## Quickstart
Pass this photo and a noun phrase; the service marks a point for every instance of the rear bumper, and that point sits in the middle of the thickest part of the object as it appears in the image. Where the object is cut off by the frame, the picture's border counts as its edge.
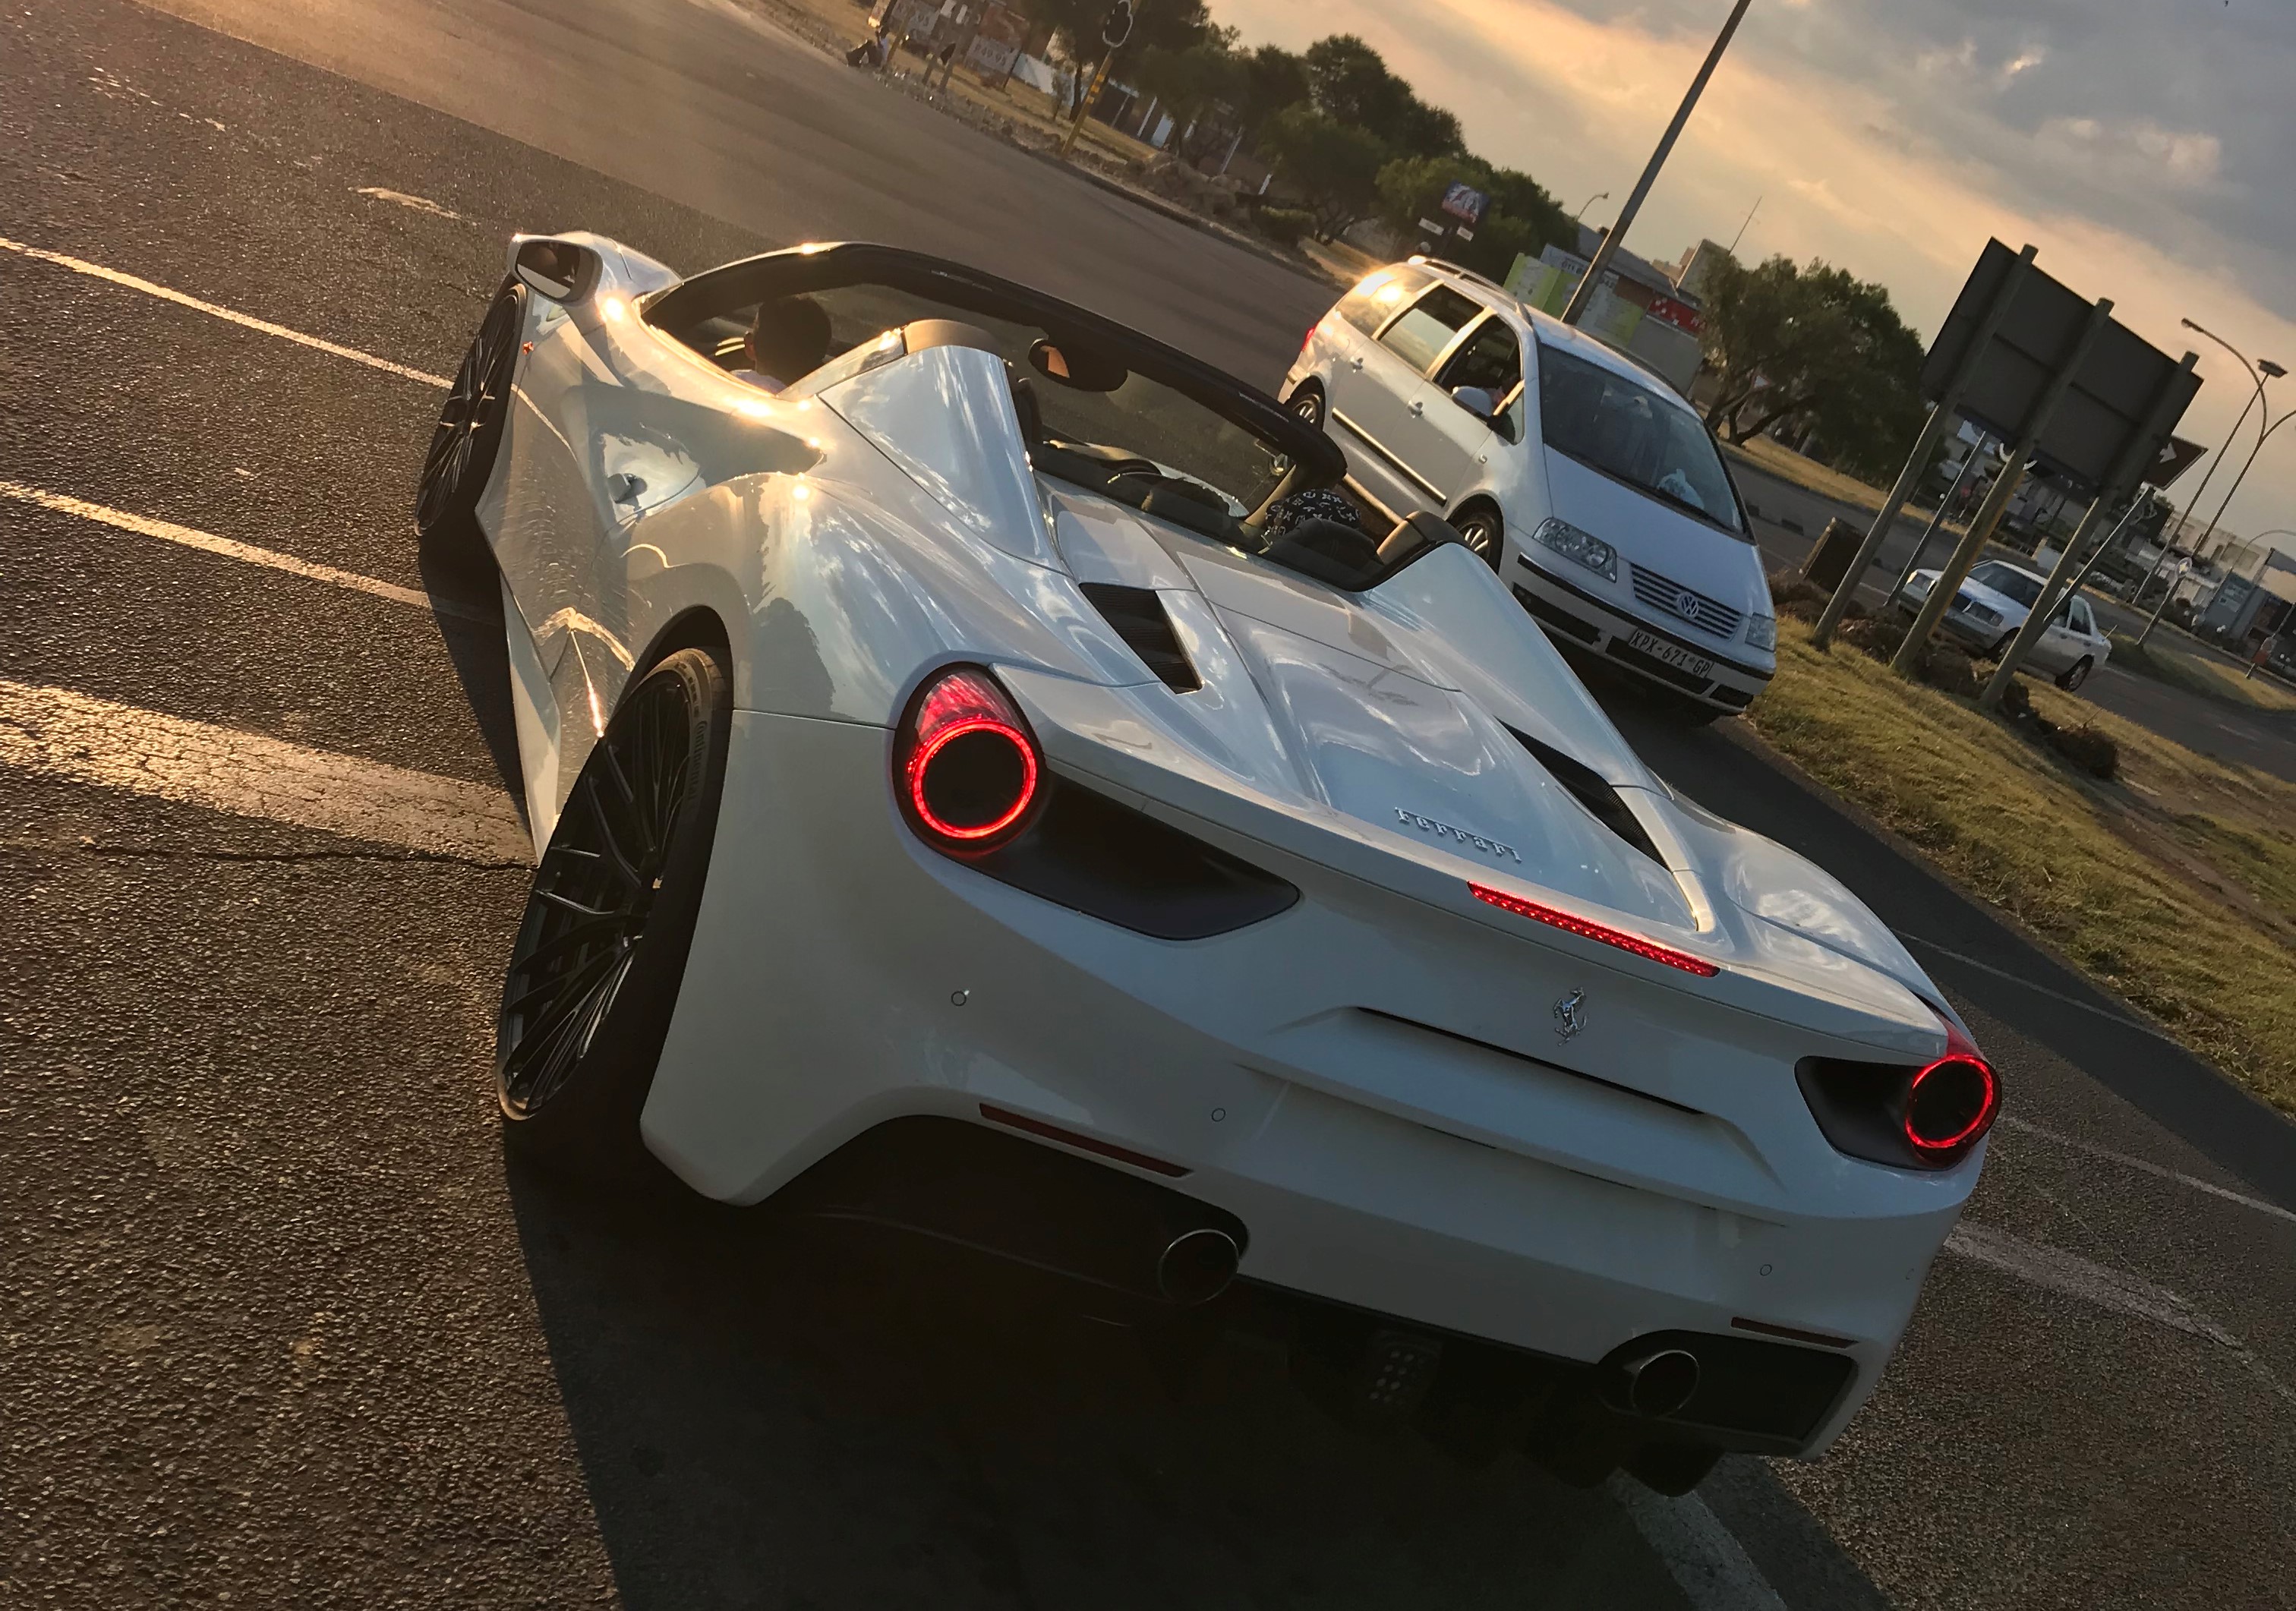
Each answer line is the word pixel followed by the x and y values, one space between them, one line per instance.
pixel 842 977
pixel 1579 619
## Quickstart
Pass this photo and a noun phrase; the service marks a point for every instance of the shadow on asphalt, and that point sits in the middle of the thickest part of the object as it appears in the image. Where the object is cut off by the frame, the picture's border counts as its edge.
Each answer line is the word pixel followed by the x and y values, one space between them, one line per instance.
pixel 775 1413
pixel 772 1412
pixel 1725 770
pixel 459 575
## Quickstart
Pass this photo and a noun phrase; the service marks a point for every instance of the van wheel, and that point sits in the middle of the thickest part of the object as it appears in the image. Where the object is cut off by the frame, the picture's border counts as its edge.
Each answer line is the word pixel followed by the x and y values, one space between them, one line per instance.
pixel 1481 529
pixel 1307 404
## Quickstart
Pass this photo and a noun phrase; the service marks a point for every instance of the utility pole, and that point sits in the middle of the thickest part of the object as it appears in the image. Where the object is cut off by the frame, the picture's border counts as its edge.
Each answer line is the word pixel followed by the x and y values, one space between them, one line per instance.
pixel 1909 657
pixel 1593 277
pixel 2125 478
pixel 1949 406
pixel 1920 545
pixel 1748 225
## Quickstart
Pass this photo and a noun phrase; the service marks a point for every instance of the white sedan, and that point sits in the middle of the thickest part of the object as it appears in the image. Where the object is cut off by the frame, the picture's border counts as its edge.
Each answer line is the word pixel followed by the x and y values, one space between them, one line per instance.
pixel 1992 605
pixel 976 794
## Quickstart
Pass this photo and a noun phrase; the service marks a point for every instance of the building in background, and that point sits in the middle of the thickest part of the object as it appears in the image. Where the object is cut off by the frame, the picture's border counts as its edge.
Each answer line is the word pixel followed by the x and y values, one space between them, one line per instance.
pixel 1637 309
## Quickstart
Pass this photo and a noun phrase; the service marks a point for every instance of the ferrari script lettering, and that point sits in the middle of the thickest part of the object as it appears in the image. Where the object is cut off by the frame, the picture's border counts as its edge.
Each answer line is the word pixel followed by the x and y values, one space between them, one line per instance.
pixel 1490 847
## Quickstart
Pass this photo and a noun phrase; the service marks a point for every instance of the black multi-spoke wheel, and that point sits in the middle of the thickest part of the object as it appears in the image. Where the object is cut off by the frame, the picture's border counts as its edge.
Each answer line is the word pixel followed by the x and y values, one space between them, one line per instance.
pixel 469 428
pixel 1308 404
pixel 601 953
pixel 1479 529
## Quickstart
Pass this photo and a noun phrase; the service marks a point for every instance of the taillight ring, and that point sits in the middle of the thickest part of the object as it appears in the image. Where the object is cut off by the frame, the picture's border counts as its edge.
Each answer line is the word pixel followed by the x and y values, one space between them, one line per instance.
pixel 1981 1112
pixel 967 771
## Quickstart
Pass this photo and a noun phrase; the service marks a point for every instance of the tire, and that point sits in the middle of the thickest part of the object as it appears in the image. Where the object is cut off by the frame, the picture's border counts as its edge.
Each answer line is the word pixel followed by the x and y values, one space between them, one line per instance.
pixel 468 434
pixel 601 953
pixel 2001 647
pixel 1484 533
pixel 1307 404
pixel 2073 675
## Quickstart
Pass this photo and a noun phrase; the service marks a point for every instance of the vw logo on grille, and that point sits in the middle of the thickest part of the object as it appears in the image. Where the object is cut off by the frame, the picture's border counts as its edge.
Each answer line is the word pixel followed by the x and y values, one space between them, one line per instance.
pixel 1686 605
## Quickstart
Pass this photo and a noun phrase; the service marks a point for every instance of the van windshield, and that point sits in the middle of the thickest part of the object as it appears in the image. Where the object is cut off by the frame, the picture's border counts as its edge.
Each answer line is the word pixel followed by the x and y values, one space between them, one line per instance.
pixel 1628 431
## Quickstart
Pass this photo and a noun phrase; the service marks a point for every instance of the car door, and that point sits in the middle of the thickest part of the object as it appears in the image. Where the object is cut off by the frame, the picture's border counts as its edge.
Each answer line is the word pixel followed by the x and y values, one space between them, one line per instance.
pixel 1448 447
pixel 2092 637
pixel 2060 646
pixel 1383 393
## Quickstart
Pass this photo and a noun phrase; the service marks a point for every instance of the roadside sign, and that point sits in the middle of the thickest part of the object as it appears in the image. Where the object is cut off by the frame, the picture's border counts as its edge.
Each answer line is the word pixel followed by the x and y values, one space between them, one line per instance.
pixel 1466 203
pixel 2175 457
pixel 2099 416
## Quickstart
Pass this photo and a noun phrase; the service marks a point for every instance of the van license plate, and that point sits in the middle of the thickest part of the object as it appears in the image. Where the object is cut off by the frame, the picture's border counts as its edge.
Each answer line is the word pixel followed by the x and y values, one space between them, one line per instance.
pixel 1673 654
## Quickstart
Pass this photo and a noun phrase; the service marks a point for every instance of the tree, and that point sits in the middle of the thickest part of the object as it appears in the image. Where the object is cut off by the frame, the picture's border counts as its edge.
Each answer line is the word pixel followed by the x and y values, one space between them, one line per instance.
pixel 1522 218
pixel 1814 347
pixel 1170 24
pixel 1333 166
pixel 1203 87
pixel 1273 78
pixel 1350 82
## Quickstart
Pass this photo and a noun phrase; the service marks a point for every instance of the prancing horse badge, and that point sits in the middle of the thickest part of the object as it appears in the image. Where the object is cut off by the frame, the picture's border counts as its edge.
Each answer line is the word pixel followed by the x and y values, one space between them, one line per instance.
pixel 1570 1015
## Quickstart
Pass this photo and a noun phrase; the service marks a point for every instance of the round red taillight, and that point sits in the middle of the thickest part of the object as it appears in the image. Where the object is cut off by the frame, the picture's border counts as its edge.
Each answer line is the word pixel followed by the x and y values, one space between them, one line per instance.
pixel 967 766
pixel 1951 1103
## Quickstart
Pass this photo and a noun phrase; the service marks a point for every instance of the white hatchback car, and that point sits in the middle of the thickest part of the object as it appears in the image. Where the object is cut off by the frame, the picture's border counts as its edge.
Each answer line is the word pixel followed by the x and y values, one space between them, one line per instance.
pixel 1595 491
pixel 1993 603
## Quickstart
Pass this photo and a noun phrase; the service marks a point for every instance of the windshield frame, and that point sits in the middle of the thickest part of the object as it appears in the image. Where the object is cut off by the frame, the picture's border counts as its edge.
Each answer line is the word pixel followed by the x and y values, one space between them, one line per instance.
pixel 1743 532
pixel 692 304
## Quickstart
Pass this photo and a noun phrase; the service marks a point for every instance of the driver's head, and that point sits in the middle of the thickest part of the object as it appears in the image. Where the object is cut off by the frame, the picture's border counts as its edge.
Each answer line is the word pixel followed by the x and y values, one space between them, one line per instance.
pixel 789 338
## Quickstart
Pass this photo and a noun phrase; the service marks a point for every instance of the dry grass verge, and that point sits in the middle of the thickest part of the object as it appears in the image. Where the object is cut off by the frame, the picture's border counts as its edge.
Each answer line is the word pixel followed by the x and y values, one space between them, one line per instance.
pixel 2173 886
pixel 2163 660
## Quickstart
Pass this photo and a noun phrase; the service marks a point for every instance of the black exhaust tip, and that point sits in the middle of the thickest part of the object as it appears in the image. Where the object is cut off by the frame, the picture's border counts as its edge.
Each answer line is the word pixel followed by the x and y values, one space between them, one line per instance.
pixel 1660 1384
pixel 1197 1265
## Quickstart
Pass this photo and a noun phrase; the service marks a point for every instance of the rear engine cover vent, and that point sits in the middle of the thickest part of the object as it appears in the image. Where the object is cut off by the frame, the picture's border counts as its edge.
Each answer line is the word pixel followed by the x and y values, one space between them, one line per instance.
pixel 1138 616
pixel 1587 786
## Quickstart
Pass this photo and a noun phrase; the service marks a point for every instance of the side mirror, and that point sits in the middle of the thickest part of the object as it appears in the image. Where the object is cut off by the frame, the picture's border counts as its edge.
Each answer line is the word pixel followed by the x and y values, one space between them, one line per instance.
pixel 1477 401
pixel 559 270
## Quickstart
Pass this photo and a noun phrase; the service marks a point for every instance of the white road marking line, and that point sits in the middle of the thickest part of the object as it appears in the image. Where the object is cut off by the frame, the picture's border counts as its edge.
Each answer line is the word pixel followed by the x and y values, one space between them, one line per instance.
pixel 2056 1270
pixel 421 204
pixel 2144 1165
pixel 79 266
pixel 2124 1019
pixel 1704 1558
pixel 60 733
pixel 168 531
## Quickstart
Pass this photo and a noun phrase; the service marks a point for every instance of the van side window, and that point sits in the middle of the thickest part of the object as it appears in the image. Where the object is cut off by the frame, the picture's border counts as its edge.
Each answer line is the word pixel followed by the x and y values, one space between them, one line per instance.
pixel 1373 301
pixel 1491 360
pixel 2082 619
pixel 1420 336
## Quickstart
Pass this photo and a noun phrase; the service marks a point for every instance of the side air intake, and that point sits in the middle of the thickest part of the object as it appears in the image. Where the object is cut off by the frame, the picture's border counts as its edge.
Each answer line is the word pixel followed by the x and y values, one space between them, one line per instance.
pixel 1587 786
pixel 1138 616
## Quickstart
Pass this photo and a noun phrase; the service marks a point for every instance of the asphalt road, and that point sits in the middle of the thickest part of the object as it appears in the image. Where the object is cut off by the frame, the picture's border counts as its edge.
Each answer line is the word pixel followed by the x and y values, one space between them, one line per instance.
pixel 276 1324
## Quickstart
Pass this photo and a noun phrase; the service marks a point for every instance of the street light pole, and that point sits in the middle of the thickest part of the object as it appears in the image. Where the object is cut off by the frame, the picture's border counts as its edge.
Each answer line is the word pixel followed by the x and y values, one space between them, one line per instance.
pixel 1593 277
pixel 1598 196
pixel 2271 372
pixel 2261 438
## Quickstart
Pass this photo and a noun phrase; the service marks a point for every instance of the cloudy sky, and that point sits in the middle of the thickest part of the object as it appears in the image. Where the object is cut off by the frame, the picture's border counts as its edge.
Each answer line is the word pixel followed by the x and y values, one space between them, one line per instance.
pixel 2148 147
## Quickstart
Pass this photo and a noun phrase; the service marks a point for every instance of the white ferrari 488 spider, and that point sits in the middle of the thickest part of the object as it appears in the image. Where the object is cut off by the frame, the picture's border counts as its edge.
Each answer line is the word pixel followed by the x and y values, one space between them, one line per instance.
pixel 985 782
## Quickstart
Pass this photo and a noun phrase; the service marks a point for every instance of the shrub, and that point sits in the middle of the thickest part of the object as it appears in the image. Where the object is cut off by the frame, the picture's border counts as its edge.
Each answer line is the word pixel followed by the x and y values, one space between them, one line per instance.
pixel 1285 225
pixel 2016 699
pixel 1875 637
pixel 1791 594
pixel 1949 671
pixel 2087 748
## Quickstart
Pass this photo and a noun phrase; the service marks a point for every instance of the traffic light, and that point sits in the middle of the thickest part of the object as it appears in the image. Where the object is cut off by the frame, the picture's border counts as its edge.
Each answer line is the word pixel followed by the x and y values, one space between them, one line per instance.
pixel 1116 28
